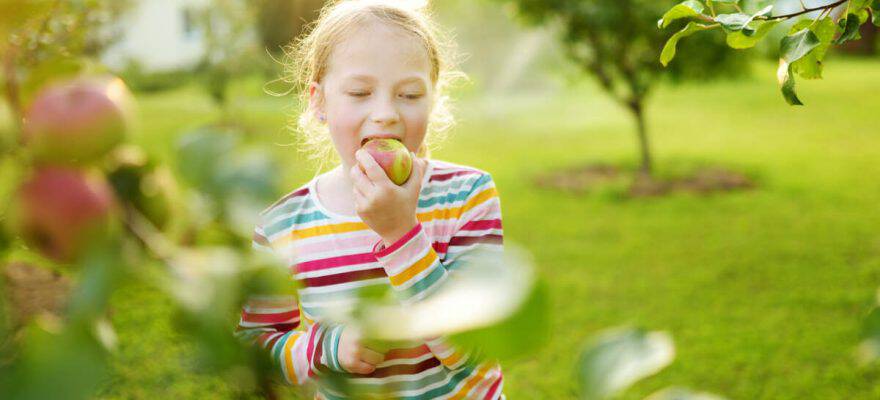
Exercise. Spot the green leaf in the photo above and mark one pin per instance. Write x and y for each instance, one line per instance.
(796, 46)
(739, 40)
(786, 80)
(669, 49)
(686, 9)
(850, 30)
(617, 359)
(810, 66)
(857, 5)
(875, 12)
(740, 22)
(676, 393)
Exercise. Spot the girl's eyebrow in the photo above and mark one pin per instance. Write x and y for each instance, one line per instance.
(370, 79)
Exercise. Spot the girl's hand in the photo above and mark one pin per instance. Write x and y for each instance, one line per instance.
(353, 356)
(388, 209)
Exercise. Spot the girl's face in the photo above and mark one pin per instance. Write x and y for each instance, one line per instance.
(377, 85)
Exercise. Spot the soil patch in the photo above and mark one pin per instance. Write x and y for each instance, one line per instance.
(589, 178)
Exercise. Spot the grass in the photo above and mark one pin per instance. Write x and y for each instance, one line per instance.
(763, 290)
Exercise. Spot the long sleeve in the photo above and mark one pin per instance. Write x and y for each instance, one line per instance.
(273, 322)
(414, 267)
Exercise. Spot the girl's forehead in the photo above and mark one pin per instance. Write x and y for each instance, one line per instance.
(380, 52)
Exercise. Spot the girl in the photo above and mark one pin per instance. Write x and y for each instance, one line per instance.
(373, 69)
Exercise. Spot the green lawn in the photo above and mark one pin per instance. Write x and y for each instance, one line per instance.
(763, 290)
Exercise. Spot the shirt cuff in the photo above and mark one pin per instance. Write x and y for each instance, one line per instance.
(380, 251)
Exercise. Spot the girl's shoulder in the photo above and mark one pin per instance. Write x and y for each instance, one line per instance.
(290, 204)
(444, 172)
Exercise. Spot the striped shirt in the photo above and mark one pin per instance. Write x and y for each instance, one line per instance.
(333, 256)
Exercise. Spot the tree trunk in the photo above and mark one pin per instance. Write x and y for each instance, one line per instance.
(636, 106)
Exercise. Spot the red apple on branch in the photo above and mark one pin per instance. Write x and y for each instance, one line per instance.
(392, 156)
(59, 211)
(77, 121)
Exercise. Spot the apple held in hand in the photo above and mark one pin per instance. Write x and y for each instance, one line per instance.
(392, 156)
(77, 121)
(60, 210)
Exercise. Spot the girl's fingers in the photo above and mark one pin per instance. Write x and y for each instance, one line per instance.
(417, 173)
(362, 368)
(371, 167)
(371, 357)
(360, 181)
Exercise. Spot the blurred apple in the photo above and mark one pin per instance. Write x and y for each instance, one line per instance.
(59, 211)
(77, 121)
(392, 156)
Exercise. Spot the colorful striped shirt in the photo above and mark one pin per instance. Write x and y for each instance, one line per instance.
(333, 256)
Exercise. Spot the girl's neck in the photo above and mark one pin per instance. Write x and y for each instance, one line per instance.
(335, 192)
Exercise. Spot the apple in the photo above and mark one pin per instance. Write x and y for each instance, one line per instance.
(392, 156)
(59, 210)
(77, 121)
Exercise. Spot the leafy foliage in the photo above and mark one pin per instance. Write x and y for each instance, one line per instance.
(802, 50)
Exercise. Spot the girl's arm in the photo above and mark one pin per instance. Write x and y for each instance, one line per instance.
(273, 322)
(415, 269)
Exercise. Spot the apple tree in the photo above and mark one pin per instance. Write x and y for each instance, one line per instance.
(618, 43)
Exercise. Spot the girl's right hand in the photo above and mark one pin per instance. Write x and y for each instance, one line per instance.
(353, 356)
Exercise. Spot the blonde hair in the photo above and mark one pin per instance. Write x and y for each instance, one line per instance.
(306, 61)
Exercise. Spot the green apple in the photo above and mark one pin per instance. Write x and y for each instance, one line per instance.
(392, 156)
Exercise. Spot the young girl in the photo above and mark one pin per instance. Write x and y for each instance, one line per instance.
(373, 69)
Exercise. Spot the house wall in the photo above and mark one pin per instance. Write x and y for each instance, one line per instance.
(157, 36)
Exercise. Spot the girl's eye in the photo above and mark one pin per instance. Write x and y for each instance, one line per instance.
(412, 96)
(359, 94)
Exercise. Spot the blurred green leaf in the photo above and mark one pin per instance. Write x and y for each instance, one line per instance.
(201, 155)
(56, 362)
(676, 393)
(102, 268)
(619, 358)
(517, 337)
(499, 282)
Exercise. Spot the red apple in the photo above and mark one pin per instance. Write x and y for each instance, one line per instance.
(392, 156)
(77, 121)
(60, 210)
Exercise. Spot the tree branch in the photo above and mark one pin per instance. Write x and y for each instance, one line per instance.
(804, 11)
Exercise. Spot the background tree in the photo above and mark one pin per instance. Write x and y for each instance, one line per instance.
(281, 21)
(617, 41)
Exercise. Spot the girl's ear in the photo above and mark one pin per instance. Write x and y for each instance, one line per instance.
(316, 100)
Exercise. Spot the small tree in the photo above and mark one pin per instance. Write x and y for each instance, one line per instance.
(617, 41)
(281, 21)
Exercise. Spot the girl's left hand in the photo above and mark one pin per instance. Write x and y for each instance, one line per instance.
(388, 209)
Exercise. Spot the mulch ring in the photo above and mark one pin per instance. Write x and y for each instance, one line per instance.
(585, 179)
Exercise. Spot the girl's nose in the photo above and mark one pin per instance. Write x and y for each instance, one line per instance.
(385, 114)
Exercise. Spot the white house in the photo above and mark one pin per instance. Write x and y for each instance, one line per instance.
(159, 35)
